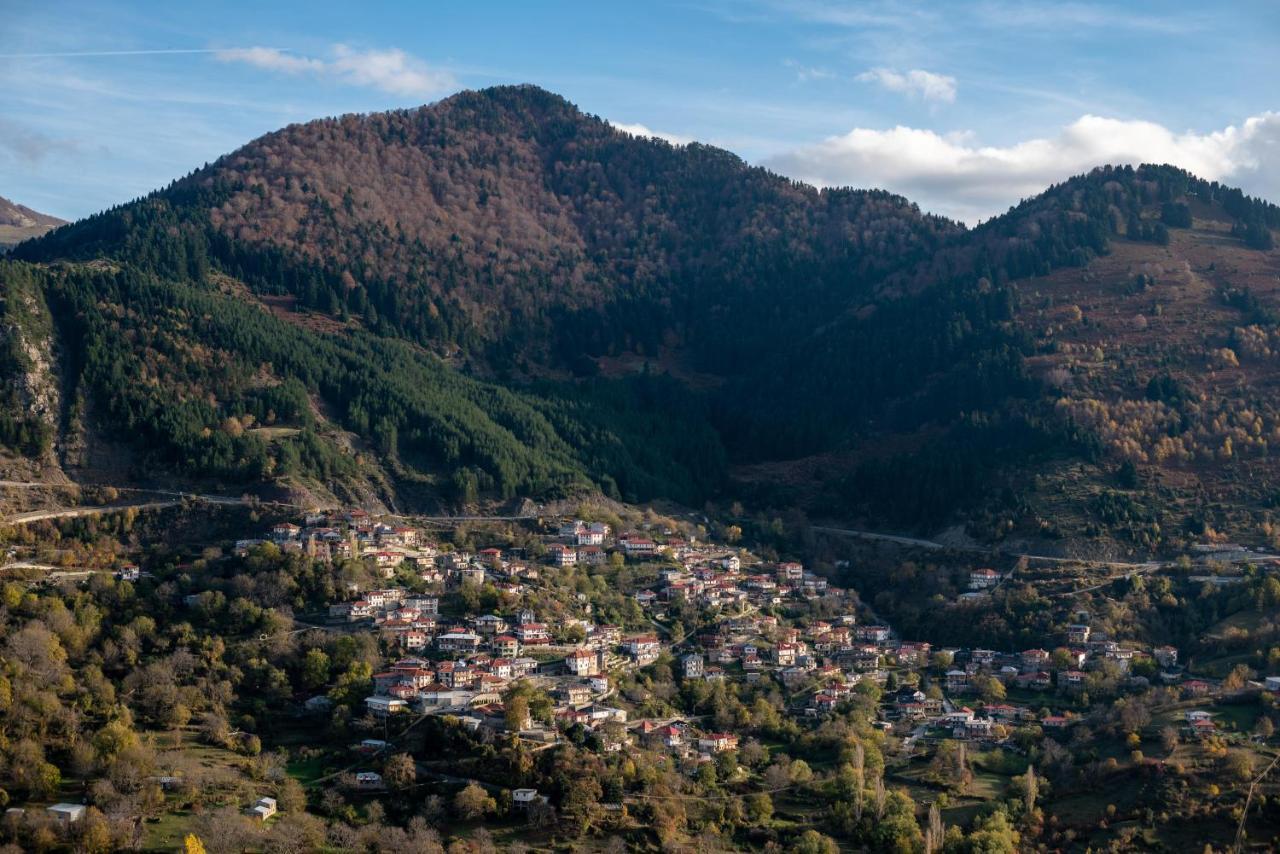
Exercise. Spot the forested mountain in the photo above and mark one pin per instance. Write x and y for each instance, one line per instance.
(498, 295)
(19, 222)
(511, 224)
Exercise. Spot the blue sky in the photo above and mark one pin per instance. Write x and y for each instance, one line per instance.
(964, 107)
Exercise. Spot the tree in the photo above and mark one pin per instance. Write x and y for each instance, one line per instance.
(1031, 787)
(400, 771)
(473, 802)
(760, 807)
(813, 842)
(516, 713)
(290, 796)
(192, 845)
(315, 668)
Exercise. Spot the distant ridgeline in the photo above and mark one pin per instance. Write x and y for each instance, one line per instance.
(456, 276)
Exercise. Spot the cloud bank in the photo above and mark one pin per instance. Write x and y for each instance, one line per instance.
(391, 70)
(954, 175)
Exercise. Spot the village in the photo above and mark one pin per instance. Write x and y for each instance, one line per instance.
(461, 665)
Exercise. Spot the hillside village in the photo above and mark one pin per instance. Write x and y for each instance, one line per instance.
(463, 664)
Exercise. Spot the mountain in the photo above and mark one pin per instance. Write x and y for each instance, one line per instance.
(19, 222)
(498, 295)
(511, 225)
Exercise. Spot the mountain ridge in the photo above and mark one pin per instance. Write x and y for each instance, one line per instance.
(547, 245)
(19, 222)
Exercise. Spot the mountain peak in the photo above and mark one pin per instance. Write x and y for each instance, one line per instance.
(19, 222)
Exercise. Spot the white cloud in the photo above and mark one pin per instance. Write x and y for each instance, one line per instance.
(641, 130)
(391, 70)
(271, 59)
(916, 82)
(956, 176)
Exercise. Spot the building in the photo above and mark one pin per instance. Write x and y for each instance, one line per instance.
(262, 809)
(983, 579)
(532, 634)
(585, 662)
(562, 555)
(718, 742)
(66, 814)
(692, 666)
(522, 799)
(368, 781)
(638, 546)
(381, 707)
(458, 642)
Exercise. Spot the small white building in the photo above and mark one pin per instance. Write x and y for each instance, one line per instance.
(262, 809)
(66, 814)
(522, 799)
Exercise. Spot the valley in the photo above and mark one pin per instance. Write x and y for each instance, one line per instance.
(481, 475)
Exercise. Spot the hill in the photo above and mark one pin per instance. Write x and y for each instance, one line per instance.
(498, 295)
(19, 222)
(510, 226)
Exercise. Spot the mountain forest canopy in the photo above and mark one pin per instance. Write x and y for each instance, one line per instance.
(498, 295)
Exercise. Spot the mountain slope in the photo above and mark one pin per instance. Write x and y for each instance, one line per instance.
(511, 224)
(402, 298)
(19, 223)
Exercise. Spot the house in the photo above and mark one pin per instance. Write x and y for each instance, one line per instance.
(591, 555)
(262, 809)
(1034, 659)
(491, 624)
(590, 536)
(1203, 728)
(368, 781)
(718, 742)
(458, 641)
(790, 571)
(643, 648)
(1272, 683)
(414, 639)
(562, 555)
(1055, 722)
(874, 634)
(381, 707)
(66, 814)
(633, 546)
(957, 680)
(1078, 633)
(585, 662)
(692, 666)
(532, 634)
(574, 695)
(785, 654)
(1072, 679)
(1166, 656)
(983, 579)
(1038, 680)
(523, 799)
(505, 646)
